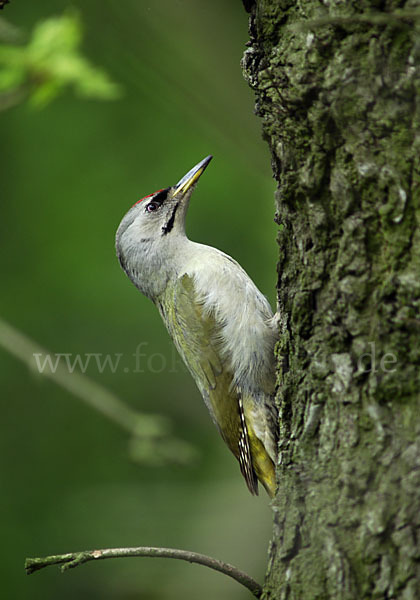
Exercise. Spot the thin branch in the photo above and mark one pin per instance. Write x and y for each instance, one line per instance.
(74, 559)
(23, 348)
(151, 428)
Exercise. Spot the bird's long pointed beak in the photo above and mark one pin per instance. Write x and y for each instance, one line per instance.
(191, 177)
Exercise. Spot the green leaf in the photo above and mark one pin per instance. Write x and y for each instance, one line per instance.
(51, 62)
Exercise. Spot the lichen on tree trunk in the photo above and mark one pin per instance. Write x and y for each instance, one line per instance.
(337, 87)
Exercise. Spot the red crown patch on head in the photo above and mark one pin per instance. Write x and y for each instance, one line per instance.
(148, 196)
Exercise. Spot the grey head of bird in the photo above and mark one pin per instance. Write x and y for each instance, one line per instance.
(151, 240)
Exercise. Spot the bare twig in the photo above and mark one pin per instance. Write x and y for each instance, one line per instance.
(23, 348)
(74, 559)
(153, 429)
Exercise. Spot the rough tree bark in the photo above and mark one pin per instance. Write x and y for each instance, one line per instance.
(337, 87)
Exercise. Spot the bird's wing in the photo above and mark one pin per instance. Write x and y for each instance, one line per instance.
(196, 335)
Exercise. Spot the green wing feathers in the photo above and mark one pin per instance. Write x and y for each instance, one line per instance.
(196, 335)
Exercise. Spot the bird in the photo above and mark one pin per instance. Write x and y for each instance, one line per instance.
(221, 324)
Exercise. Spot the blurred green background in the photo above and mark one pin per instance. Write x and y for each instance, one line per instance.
(69, 172)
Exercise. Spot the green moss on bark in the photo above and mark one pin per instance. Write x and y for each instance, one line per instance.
(339, 108)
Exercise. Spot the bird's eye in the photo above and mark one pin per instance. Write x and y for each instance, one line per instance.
(152, 206)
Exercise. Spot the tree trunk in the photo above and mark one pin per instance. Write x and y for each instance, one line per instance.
(335, 86)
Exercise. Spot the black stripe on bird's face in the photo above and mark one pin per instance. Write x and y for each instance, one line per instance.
(161, 196)
(170, 223)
